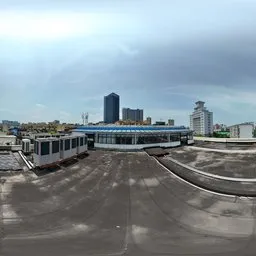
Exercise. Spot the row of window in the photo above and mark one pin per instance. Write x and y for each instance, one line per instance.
(58, 145)
(140, 139)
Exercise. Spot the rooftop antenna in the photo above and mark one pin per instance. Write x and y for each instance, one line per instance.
(83, 117)
(86, 118)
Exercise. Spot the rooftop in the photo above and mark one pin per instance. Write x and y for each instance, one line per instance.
(131, 129)
(8, 162)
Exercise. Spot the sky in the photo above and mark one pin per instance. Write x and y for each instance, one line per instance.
(59, 58)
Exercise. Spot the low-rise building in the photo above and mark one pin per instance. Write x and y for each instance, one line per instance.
(244, 130)
(171, 122)
(11, 123)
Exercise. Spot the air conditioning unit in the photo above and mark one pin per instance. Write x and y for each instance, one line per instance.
(26, 146)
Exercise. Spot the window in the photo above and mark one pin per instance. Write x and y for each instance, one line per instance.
(85, 141)
(36, 147)
(45, 148)
(67, 144)
(77, 141)
(55, 147)
(73, 143)
(61, 144)
(81, 141)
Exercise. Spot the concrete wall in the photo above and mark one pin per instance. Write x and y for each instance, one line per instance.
(138, 146)
(4, 140)
(226, 140)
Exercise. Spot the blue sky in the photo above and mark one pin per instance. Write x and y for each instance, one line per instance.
(59, 59)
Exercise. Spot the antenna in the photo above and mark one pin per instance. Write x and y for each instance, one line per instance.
(85, 117)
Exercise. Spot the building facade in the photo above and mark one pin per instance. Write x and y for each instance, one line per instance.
(244, 130)
(134, 137)
(11, 123)
(111, 108)
(149, 120)
(132, 114)
(171, 122)
(201, 120)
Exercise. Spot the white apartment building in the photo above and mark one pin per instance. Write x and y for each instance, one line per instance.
(201, 120)
(244, 130)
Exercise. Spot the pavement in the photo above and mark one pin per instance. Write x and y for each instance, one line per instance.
(114, 203)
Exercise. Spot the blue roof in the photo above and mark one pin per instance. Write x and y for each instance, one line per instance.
(129, 129)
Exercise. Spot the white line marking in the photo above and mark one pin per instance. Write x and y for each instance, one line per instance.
(212, 175)
(231, 151)
(193, 185)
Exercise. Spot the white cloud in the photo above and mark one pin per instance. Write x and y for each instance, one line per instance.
(39, 105)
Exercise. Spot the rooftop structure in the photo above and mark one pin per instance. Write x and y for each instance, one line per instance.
(136, 137)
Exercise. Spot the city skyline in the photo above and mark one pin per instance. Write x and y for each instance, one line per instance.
(59, 73)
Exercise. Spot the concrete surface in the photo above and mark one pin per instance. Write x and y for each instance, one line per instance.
(8, 162)
(230, 165)
(120, 204)
(226, 146)
(226, 140)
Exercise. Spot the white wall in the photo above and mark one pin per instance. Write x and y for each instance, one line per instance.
(246, 131)
(190, 142)
(136, 146)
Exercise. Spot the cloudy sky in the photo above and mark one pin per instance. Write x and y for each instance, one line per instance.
(59, 59)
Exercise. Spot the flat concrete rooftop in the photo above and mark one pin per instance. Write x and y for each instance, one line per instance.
(114, 203)
(9, 161)
(231, 165)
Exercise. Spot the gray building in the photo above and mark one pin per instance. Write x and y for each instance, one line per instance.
(133, 114)
(171, 122)
(111, 108)
(149, 120)
(10, 123)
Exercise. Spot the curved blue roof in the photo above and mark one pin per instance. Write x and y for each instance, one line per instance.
(124, 128)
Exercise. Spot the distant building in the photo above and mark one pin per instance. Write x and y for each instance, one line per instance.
(171, 122)
(132, 114)
(111, 108)
(201, 120)
(149, 120)
(244, 130)
(56, 121)
(11, 123)
(159, 123)
(220, 127)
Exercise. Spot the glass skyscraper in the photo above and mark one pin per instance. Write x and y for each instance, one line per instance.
(111, 108)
